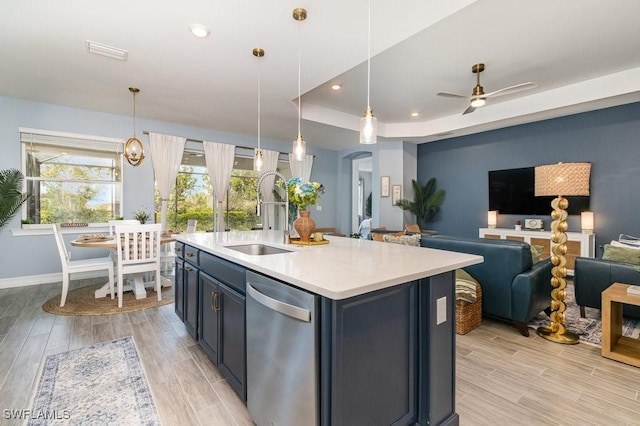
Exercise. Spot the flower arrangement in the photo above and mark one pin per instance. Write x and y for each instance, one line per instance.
(302, 195)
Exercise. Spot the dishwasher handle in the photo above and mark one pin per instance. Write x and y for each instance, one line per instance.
(278, 306)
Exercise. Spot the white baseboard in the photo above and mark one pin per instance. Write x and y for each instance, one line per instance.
(45, 279)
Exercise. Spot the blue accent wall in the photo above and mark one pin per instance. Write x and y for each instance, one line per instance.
(608, 138)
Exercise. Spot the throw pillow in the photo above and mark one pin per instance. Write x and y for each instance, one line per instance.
(414, 229)
(465, 286)
(629, 246)
(378, 236)
(621, 254)
(407, 240)
(536, 253)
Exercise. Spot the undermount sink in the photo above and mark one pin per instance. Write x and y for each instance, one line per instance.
(258, 249)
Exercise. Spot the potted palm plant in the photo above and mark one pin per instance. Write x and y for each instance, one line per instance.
(10, 196)
(426, 202)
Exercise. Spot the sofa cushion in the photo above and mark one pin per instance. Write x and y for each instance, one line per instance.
(536, 252)
(407, 240)
(629, 246)
(503, 261)
(621, 254)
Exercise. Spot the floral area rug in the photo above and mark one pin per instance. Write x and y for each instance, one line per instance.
(97, 385)
(589, 329)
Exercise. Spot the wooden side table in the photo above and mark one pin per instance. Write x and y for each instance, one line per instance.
(614, 344)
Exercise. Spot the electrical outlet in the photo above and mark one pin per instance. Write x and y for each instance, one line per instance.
(441, 310)
(318, 208)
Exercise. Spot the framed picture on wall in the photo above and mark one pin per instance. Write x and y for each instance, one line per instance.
(384, 186)
(396, 194)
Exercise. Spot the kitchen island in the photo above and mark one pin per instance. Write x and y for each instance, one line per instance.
(383, 342)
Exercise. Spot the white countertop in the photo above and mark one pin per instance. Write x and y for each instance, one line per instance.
(343, 268)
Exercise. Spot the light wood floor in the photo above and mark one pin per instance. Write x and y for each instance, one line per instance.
(502, 377)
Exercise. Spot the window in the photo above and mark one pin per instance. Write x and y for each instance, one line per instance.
(192, 197)
(70, 178)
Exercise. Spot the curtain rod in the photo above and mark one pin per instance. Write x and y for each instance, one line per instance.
(146, 132)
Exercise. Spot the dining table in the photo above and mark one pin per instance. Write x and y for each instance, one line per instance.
(137, 284)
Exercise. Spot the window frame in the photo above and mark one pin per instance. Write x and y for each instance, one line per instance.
(76, 141)
(244, 153)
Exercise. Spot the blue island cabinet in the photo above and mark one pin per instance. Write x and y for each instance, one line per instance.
(386, 357)
(385, 360)
(221, 325)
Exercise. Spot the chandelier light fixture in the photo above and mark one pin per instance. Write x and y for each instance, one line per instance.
(133, 150)
(299, 145)
(258, 159)
(368, 123)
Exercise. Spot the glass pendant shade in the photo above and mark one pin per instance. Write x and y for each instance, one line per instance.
(258, 161)
(368, 128)
(299, 148)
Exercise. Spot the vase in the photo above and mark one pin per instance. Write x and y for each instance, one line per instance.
(304, 225)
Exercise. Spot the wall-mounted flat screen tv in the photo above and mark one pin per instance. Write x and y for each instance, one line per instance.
(512, 192)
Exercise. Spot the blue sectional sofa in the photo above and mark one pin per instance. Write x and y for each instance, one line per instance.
(513, 289)
(593, 276)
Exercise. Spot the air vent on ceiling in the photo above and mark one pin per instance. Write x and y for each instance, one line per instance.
(105, 50)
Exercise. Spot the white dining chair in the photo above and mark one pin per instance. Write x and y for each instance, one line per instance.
(114, 222)
(138, 249)
(191, 226)
(84, 265)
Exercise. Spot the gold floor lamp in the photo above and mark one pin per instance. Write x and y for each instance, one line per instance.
(559, 180)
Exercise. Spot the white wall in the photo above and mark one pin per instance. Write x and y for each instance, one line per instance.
(36, 256)
(396, 159)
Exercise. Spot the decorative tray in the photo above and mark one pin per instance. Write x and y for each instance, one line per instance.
(310, 243)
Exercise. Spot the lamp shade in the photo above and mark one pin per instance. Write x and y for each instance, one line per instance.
(368, 128)
(562, 179)
(587, 222)
(492, 218)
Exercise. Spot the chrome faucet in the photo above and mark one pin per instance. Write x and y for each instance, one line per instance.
(287, 233)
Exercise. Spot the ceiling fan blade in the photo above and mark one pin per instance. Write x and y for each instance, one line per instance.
(451, 95)
(512, 89)
(469, 110)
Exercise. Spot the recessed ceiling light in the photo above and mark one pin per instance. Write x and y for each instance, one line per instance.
(199, 30)
(336, 86)
(415, 114)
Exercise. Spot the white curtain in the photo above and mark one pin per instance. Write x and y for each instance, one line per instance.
(219, 158)
(166, 156)
(270, 164)
(301, 168)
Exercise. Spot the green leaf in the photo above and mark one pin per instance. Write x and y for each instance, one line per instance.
(426, 203)
(10, 196)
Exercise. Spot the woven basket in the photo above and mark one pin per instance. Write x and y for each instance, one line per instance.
(469, 315)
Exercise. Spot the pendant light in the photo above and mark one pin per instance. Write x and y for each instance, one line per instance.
(368, 123)
(258, 159)
(133, 150)
(299, 145)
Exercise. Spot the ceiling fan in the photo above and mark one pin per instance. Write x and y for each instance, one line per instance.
(478, 97)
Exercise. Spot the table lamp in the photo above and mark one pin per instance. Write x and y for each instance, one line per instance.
(559, 180)
(587, 222)
(492, 218)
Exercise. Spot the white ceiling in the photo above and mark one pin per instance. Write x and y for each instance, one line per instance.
(583, 54)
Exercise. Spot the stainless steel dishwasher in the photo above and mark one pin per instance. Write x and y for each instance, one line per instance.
(282, 358)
